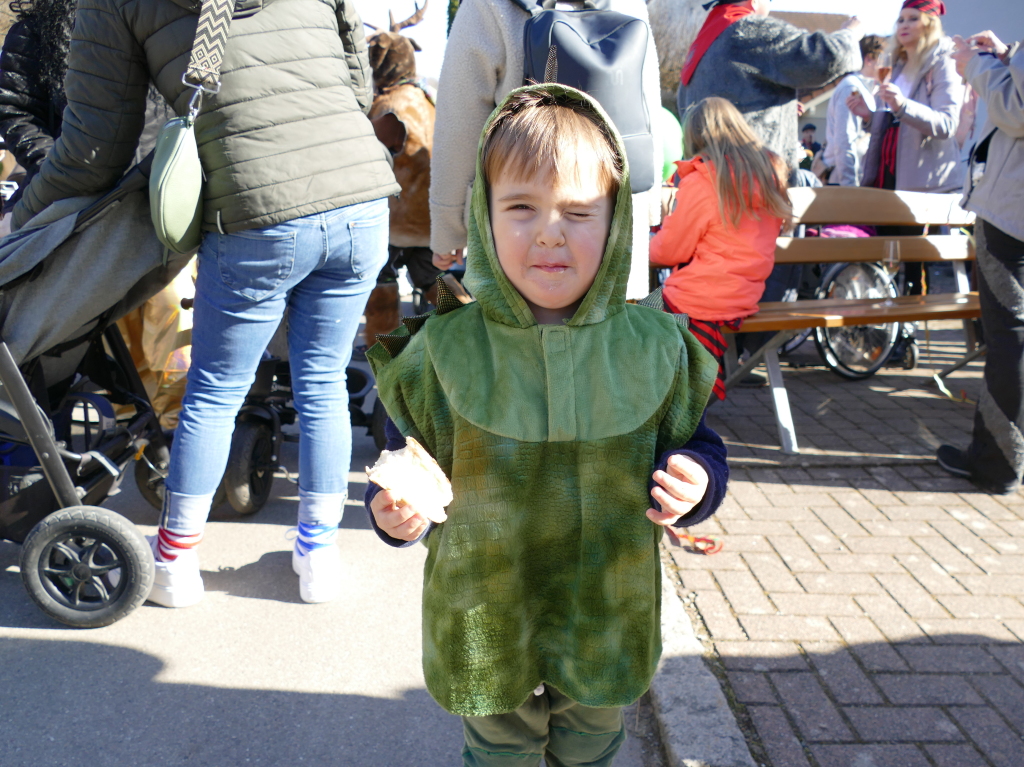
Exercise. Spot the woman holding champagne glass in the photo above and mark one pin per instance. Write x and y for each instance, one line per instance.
(913, 130)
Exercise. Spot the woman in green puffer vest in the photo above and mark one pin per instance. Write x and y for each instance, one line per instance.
(295, 216)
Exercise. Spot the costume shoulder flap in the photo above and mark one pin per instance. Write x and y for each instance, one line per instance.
(404, 381)
(553, 383)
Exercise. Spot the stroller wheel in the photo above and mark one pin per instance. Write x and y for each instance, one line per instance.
(151, 473)
(250, 472)
(377, 420)
(86, 567)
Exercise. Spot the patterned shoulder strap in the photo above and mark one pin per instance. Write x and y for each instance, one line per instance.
(208, 48)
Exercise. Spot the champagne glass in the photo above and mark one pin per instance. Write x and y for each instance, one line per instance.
(892, 266)
(883, 71)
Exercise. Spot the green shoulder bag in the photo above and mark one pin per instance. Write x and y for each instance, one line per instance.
(176, 180)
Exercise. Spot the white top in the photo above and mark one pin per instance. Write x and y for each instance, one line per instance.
(846, 136)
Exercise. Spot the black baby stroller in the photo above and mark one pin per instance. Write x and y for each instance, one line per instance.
(64, 281)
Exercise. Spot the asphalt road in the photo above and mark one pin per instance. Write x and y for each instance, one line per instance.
(251, 675)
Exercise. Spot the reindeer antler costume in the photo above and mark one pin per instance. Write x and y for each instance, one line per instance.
(403, 117)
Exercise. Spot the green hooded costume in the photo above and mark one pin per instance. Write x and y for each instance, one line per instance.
(547, 569)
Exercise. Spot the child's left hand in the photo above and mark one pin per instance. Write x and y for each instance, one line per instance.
(679, 489)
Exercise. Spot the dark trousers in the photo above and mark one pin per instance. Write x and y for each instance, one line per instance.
(550, 726)
(996, 454)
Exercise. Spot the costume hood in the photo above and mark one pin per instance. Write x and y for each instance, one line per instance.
(603, 373)
(487, 282)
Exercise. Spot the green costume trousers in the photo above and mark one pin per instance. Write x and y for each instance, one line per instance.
(548, 725)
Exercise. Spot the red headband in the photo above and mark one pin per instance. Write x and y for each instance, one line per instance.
(934, 7)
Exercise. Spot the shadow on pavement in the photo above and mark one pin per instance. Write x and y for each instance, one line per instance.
(77, 702)
(950, 699)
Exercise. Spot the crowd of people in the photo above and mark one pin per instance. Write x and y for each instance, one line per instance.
(569, 419)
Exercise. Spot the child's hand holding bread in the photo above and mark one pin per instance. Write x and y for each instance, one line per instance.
(414, 491)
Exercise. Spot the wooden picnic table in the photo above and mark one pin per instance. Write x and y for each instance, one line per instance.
(866, 207)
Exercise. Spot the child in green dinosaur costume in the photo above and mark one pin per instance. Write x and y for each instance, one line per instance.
(554, 407)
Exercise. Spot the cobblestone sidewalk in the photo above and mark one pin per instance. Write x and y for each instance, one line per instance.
(866, 609)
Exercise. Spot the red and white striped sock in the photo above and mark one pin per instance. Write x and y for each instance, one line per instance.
(169, 545)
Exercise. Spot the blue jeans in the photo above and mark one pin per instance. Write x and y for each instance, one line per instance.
(320, 268)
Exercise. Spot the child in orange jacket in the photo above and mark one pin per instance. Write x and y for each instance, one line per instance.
(720, 239)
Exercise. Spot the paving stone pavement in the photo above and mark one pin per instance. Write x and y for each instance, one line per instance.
(866, 608)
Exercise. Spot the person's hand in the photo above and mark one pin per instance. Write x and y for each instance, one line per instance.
(800, 109)
(399, 520)
(855, 103)
(444, 261)
(892, 95)
(855, 25)
(962, 53)
(678, 490)
(988, 42)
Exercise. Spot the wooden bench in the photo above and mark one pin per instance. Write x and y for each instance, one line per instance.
(866, 207)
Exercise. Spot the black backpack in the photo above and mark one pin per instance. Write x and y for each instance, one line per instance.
(600, 52)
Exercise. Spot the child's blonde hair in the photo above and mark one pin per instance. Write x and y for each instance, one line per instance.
(539, 132)
(743, 167)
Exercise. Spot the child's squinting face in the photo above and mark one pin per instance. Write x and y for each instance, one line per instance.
(550, 235)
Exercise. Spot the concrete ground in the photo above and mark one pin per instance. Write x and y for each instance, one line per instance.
(866, 608)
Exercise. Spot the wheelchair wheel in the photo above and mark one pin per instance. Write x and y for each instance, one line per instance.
(250, 473)
(910, 357)
(856, 352)
(151, 471)
(86, 567)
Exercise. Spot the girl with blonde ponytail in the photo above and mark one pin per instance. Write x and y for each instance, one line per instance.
(731, 205)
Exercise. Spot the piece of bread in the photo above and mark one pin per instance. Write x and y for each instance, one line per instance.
(412, 475)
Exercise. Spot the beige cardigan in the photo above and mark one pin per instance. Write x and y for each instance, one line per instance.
(483, 62)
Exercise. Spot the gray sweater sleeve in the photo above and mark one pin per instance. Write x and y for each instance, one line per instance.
(1002, 89)
(797, 59)
(106, 88)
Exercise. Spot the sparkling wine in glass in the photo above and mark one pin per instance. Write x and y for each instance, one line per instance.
(892, 266)
(883, 71)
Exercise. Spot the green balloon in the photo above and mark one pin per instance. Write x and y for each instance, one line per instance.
(671, 141)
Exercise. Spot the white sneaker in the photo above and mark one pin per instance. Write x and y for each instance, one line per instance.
(177, 583)
(319, 573)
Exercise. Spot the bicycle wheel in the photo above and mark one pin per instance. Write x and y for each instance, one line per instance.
(856, 352)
